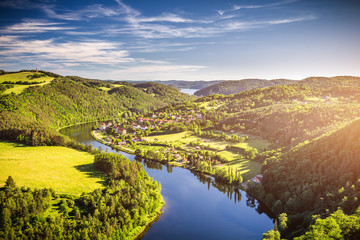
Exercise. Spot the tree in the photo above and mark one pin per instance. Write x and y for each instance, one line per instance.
(282, 221)
(10, 182)
(271, 235)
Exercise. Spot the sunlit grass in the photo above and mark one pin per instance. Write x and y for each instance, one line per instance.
(63, 169)
(22, 76)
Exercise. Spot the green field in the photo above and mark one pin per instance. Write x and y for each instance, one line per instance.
(248, 168)
(259, 144)
(63, 169)
(22, 76)
(168, 137)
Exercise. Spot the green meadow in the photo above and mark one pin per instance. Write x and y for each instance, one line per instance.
(23, 76)
(63, 169)
(248, 168)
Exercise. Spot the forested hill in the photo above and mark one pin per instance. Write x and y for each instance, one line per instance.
(167, 94)
(182, 83)
(317, 176)
(33, 115)
(289, 114)
(236, 86)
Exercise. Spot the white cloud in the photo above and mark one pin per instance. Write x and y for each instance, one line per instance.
(169, 25)
(92, 11)
(34, 26)
(96, 52)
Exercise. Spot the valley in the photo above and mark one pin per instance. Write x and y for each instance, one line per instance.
(265, 141)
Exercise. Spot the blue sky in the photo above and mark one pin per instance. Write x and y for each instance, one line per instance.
(182, 39)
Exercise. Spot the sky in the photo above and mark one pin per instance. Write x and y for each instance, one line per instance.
(182, 39)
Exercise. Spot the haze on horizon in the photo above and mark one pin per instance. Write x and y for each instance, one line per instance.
(182, 39)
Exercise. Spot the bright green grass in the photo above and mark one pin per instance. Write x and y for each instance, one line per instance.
(104, 88)
(259, 144)
(247, 168)
(116, 85)
(168, 137)
(22, 76)
(63, 169)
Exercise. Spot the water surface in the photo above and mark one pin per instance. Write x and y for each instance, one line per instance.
(197, 207)
(189, 91)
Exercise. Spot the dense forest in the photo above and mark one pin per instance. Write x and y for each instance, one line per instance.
(33, 116)
(315, 177)
(129, 202)
(236, 86)
(182, 83)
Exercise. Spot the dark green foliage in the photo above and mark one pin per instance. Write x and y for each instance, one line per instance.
(35, 75)
(183, 84)
(118, 211)
(22, 82)
(315, 176)
(4, 86)
(10, 182)
(135, 99)
(236, 86)
(30, 117)
(163, 92)
(94, 83)
(337, 226)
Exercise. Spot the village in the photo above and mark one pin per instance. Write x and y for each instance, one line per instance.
(133, 131)
(173, 137)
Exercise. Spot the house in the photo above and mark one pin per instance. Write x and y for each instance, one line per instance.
(136, 126)
(121, 131)
(199, 116)
(143, 127)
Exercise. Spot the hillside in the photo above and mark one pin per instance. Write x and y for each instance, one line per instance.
(315, 176)
(288, 115)
(32, 116)
(236, 86)
(18, 82)
(135, 99)
(182, 83)
(167, 94)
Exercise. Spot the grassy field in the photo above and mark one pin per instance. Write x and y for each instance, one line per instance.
(248, 168)
(259, 144)
(168, 137)
(63, 169)
(22, 76)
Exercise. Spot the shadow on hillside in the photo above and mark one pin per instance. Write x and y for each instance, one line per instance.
(91, 172)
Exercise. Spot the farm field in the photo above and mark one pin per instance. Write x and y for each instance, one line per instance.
(248, 168)
(63, 169)
(23, 76)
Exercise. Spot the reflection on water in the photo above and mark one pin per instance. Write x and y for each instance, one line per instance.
(197, 206)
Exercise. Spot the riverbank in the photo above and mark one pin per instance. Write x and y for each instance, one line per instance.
(193, 202)
(97, 138)
(171, 163)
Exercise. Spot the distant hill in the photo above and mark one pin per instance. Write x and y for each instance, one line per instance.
(33, 115)
(236, 86)
(166, 93)
(182, 83)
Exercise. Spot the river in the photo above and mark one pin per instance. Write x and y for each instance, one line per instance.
(196, 206)
(189, 91)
